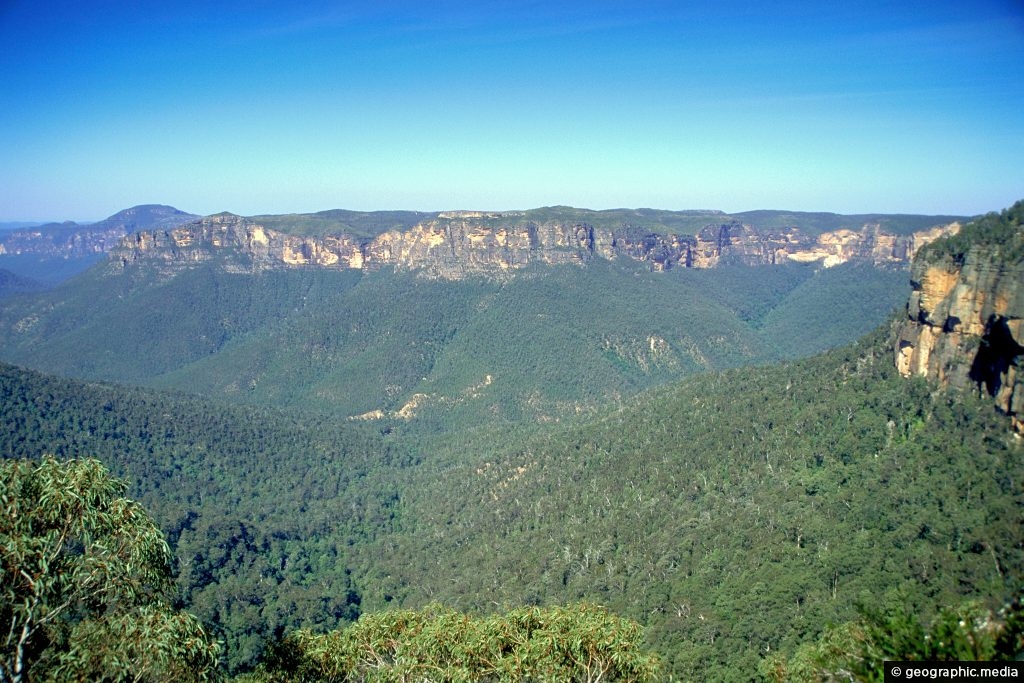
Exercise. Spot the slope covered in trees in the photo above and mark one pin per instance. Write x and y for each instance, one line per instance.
(549, 343)
(732, 514)
(261, 508)
(85, 596)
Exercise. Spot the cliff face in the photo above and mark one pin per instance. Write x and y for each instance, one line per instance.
(965, 318)
(456, 244)
(239, 244)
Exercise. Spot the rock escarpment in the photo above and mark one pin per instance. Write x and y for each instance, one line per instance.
(238, 244)
(457, 244)
(965, 318)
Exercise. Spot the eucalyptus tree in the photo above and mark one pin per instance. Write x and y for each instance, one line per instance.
(85, 582)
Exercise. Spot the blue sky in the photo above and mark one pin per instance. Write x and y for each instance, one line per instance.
(273, 107)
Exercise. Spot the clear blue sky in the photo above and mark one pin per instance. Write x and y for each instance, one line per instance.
(273, 107)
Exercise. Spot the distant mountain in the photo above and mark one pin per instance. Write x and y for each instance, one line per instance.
(15, 225)
(72, 240)
(390, 316)
(55, 251)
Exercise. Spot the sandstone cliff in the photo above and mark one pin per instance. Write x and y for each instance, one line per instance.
(965, 318)
(456, 244)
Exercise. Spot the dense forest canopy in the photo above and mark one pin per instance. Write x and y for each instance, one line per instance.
(802, 489)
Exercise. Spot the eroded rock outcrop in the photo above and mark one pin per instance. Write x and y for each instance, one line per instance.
(965, 318)
(239, 244)
(456, 244)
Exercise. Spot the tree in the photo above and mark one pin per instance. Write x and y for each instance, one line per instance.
(86, 582)
(859, 650)
(579, 642)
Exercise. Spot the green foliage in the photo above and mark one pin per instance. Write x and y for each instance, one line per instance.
(1001, 230)
(126, 330)
(965, 632)
(205, 471)
(733, 514)
(579, 642)
(46, 270)
(12, 283)
(337, 221)
(845, 299)
(152, 642)
(85, 580)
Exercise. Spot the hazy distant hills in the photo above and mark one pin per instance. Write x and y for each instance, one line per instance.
(55, 251)
(15, 225)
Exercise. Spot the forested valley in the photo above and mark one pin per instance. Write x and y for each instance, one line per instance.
(721, 506)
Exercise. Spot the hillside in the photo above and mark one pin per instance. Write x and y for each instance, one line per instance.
(553, 342)
(12, 283)
(731, 513)
(207, 473)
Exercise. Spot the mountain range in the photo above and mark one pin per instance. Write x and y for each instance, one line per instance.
(214, 304)
(53, 252)
(438, 321)
(453, 243)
